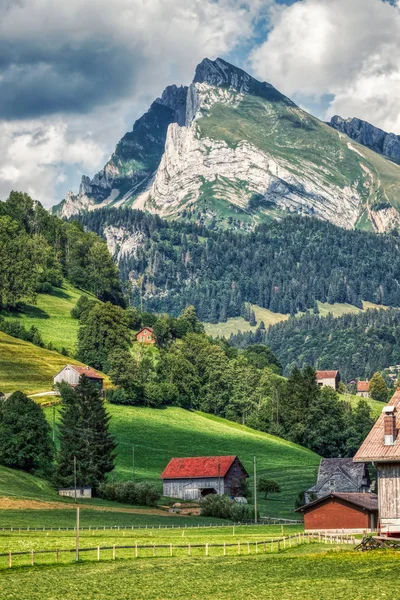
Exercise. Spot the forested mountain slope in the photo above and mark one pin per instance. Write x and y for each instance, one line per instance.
(233, 151)
(356, 344)
(283, 266)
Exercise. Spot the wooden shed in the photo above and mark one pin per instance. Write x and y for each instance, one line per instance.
(341, 512)
(194, 478)
(382, 447)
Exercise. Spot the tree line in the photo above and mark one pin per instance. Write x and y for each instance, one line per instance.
(193, 371)
(358, 345)
(38, 250)
(285, 266)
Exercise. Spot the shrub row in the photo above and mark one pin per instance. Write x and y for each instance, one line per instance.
(129, 492)
(223, 507)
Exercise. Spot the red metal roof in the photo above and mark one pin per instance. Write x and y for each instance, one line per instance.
(362, 499)
(197, 467)
(373, 447)
(362, 386)
(88, 371)
(326, 374)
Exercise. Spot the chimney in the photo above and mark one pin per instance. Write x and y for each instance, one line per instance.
(389, 425)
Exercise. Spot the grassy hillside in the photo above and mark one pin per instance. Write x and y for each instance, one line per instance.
(376, 407)
(160, 434)
(236, 324)
(26, 367)
(24, 485)
(51, 315)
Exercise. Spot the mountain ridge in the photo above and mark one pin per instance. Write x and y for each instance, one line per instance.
(232, 151)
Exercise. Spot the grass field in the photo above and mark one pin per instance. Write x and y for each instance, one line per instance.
(52, 316)
(235, 324)
(376, 406)
(26, 367)
(303, 573)
(24, 485)
(160, 434)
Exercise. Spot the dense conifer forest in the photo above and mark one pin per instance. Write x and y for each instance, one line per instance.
(284, 266)
(356, 344)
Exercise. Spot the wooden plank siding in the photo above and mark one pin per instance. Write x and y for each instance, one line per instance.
(389, 496)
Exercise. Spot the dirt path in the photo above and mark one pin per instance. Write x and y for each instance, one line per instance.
(19, 504)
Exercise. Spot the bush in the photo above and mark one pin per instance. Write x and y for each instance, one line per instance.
(130, 492)
(118, 396)
(17, 330)
(222, 507)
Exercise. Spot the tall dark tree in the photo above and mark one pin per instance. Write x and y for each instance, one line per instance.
(24, 435)
(84, 434)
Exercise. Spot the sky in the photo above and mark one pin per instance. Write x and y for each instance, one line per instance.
(75, 75)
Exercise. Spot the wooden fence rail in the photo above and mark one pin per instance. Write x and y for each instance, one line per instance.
(275, 544)
(130, 527)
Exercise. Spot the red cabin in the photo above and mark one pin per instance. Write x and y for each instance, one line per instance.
(146, 336)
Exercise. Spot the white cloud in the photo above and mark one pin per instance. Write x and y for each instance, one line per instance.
(74, 75)
(349, 49)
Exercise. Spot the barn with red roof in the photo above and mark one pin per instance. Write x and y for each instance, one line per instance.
(196, 477)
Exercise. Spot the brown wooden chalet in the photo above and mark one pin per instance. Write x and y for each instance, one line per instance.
(194, 478)
(382, 447)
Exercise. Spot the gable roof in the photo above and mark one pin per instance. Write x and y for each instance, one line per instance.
(144, 329)
(362, 386)
(326, 374)
(199, 466)
(354, 472)
(366, 501)
(373, 447)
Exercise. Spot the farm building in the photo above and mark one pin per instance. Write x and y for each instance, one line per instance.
(84, 492)
(328, 378)
(382, 447)
(71, 374)
(341, 512)
(339, 475)
(194, 478)
(146, 336)
(363, 389)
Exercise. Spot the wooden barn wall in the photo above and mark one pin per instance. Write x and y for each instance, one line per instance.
(68, 375)
(183, 488)
(389, 490)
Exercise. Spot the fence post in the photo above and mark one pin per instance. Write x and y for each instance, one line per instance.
(189, 550)
(32, 558)
(113, 552)
(9, 560)
(136, 550)
(206, 549)
(238, 547)
(57, 555)
(170, 549)
(248, 547)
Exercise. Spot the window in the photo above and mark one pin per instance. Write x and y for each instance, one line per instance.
(148, 337)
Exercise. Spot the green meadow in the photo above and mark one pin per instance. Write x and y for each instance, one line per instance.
(157, 435)
(304, 573)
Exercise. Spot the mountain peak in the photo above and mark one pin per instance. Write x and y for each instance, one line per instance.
(222, 74)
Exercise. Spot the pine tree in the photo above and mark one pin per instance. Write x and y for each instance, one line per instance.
(84, 434)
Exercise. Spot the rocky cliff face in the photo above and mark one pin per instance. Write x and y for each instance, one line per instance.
(372, 137)
(234, 151)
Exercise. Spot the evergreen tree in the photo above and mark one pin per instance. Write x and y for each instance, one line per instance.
(378, 389)
(24, 435)
(84, 434)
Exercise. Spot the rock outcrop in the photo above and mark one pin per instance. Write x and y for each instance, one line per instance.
(387, 144)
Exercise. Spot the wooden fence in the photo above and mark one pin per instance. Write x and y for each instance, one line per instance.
(240, 546)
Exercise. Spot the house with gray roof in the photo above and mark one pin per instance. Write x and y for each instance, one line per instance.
(339, 475)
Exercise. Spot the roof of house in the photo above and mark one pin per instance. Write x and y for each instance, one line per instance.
(326, 374)
(88, 371)
(199, 466)
(367, 501)
(355, 472)
(373, 447)
(145, 329)
(362, 386)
